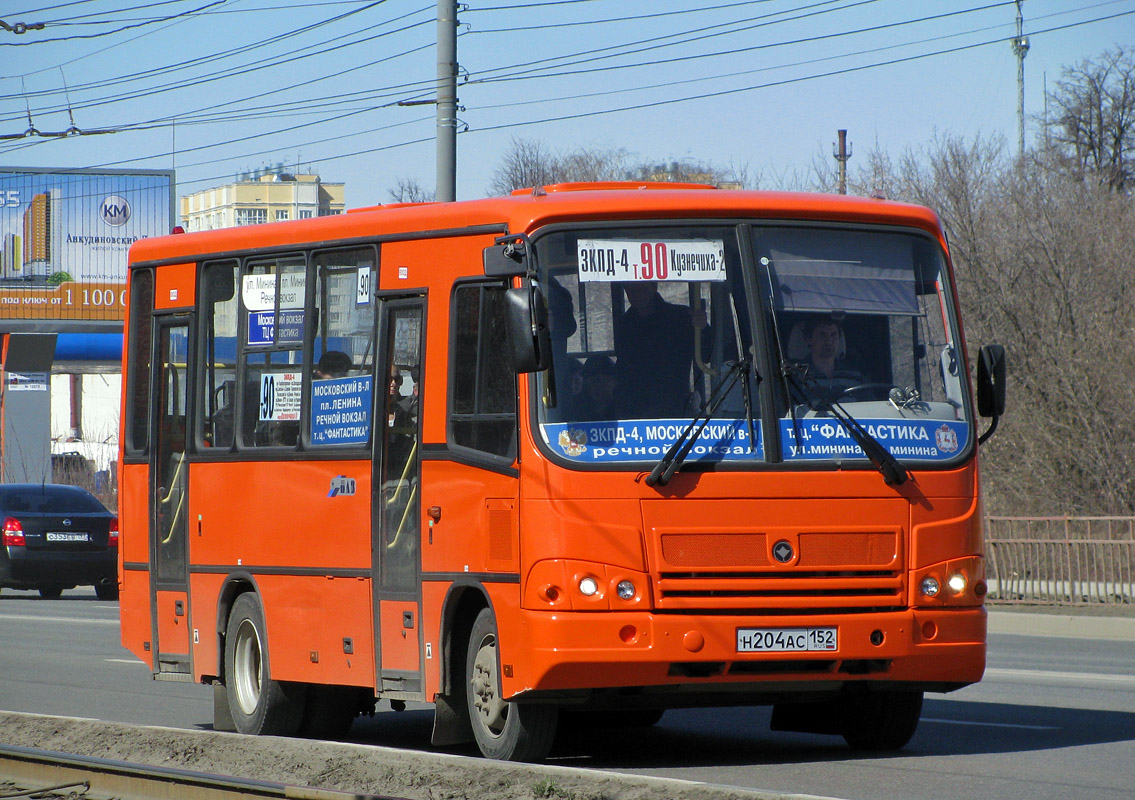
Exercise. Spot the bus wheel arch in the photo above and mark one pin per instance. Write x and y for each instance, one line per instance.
(504, 730)
(258, 704)
(463, 603)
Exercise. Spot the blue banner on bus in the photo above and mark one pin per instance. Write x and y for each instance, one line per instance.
(262, 328)
(816, 438)
(341, 410)
(611, 441)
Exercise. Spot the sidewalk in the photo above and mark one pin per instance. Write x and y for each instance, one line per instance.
(1063, 622)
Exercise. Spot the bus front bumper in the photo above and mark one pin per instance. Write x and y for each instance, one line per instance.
(571, 652)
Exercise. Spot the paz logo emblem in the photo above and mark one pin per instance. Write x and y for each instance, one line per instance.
(782, 551)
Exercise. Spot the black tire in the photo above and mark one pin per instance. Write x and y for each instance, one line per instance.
(881, 720)
(329, 711)
(259, 705)
(106, 591)
(50, 591)
(504, 730)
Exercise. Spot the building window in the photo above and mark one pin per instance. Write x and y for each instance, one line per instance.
(251, 216)
(305, 213)
(282, 215)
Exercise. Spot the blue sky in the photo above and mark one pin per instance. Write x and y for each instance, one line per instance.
(212, 88)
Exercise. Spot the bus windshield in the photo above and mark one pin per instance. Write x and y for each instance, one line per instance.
(650, 325)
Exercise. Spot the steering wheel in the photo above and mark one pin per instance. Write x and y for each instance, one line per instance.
(884, 390)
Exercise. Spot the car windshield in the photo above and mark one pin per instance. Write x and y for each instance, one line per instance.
(49, 500)
(646, 320)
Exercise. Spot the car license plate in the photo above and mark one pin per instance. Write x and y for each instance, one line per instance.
(67, 536)
(786, 640)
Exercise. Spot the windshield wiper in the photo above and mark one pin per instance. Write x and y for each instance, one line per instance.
(678, 451)
(894, 473)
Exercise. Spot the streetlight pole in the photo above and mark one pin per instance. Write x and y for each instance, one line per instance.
(446, 100)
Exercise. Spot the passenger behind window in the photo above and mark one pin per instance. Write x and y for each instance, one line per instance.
(654, 352)
(332, 364)
(597, 395)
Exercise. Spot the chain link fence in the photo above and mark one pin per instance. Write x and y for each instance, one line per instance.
(1061, 560)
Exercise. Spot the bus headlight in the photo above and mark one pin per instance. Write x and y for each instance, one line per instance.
(957, 583)
(626, 590)
(588, 586)
(930, 586)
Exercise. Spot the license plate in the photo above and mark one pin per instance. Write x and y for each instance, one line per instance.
(67, 536)
(786, 640)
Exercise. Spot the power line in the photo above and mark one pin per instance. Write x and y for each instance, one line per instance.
(35, 42)
(787, 81)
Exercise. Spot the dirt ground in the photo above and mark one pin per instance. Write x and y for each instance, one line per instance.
(361, 769)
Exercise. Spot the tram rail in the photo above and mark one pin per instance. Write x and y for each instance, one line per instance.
(38, 773)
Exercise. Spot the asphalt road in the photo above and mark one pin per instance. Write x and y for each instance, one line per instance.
(1054, 717)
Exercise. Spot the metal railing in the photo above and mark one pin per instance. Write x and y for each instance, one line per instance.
(1060, 560)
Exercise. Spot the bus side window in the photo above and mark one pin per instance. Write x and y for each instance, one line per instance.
(217, 401)
(483, 395)
(272, 296)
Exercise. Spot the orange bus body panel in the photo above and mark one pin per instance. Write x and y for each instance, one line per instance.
(175, 286)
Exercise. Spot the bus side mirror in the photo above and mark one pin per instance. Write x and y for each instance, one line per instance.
(526, 324)
(506, 258)
(991, 381)
(990, 386)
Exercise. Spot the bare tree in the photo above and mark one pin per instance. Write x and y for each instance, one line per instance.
(1093, 126)
(530, 163)
(527, 162)
(1043, 263)
(408, 190)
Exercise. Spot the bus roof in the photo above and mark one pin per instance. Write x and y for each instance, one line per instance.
(527, 210)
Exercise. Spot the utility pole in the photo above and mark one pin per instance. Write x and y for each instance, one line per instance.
(1020, 49)
(446, 100)
(842, 152)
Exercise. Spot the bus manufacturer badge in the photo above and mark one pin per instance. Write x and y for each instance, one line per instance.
(342, 486)
(782, 551)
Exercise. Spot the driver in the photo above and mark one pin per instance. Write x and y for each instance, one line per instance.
(825, 369)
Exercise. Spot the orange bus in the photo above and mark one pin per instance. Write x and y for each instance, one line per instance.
(590, 449)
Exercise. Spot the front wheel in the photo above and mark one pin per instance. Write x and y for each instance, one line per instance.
(881, 720)
(504, 730)
(259, 704)
(50, 591)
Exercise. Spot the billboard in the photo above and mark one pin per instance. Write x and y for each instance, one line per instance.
(64, 237)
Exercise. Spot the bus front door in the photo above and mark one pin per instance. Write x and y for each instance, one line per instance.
(169, 596)
(396, 526)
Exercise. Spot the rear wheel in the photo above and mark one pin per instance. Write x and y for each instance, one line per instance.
(106, 591)
(259, 704)
(881, 720)
(50, 591)
(504, 730)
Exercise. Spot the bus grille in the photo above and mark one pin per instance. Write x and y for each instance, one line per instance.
(829, 572)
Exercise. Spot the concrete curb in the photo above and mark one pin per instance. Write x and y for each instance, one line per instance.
(1064, 625)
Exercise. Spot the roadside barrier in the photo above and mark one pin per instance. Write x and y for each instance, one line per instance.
(1060, 560)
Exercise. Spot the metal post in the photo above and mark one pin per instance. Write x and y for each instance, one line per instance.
(446, 100)
(1020, 49)
(841, 155)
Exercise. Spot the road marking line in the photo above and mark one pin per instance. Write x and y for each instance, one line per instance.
(991, 724)
(124, 661)
(1052, 675)
(78, 620)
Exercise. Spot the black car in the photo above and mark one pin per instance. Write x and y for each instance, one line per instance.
(56, 537)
